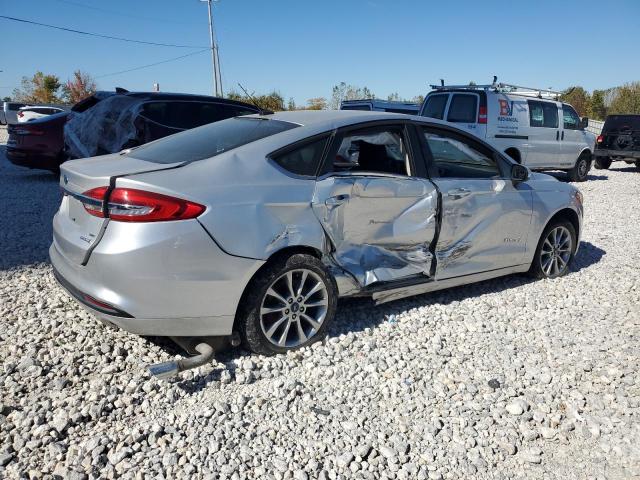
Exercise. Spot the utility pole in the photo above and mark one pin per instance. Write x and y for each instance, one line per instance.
(215, 59)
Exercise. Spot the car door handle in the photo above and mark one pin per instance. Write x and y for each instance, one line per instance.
(337, 200)
(562, 136)
(557, 135)
(457, 193)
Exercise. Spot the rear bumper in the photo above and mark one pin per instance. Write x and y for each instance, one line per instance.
(616, 153)
(26, 158)
(174, 284)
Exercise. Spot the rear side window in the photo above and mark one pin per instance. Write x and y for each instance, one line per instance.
(302, 160)
(463, 108)
(434, 106)
(543, 114)
(209, 140)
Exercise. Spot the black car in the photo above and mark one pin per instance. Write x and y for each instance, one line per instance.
(125, 119)
(619, 140)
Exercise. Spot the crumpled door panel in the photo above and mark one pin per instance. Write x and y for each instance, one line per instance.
(381, 227)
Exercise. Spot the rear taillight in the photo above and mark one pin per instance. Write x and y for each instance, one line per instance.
(20, 114)
(600, 139)
(482, 115)
(93, 201)
(131, 205)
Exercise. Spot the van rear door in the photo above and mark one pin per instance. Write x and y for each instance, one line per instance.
(464, 111)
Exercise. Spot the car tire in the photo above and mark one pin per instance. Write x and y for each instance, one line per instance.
(602, 163)
(638, 165)
(580, 171)
(551, 248)
(288, 305)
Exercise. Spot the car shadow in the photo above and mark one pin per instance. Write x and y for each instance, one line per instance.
(563, 177)
(358, 314)
(630, 168)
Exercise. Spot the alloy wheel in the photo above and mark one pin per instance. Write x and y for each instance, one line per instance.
(294, 308)
(556, 251)
(583, 168)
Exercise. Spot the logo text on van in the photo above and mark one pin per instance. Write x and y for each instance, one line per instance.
(506, 111)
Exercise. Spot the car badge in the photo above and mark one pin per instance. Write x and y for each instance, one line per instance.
(66, 179)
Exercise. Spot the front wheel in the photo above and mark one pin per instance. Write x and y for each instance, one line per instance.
(289, 305)
(581, 169)
(555, 250)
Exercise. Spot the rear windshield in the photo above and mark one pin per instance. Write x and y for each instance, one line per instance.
(209, 140)
(618, 123)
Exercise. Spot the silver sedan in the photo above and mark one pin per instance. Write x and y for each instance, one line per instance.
(255, 226)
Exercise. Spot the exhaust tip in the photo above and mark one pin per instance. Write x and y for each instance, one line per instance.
(164, 370)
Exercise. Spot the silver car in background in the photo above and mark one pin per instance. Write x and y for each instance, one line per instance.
(255, 226)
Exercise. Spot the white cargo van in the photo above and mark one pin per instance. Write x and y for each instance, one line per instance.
(527, 124)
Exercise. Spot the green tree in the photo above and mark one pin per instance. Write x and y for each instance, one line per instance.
(40, 88)
(292, 104)
(6, 99)
(597, 107)
(272, 101)
(626, 99)
(80, 87)
(419, 99)
(579, 98)
(342, 92)
(394, 97)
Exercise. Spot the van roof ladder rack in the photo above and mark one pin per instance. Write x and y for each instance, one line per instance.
(503, 88)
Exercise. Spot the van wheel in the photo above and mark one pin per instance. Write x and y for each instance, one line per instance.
(288, 305)
(602, 163)
(555, 251)
(581, 169)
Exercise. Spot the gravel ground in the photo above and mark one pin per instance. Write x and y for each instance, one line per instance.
(504, 379)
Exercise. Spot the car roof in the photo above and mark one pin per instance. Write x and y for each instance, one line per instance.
(330, 119)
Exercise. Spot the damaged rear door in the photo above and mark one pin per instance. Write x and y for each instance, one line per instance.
(376, 209)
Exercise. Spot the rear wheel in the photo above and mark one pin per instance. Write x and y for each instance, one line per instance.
(289, 305)
(580, 171)
(555, 250)
(602, 163)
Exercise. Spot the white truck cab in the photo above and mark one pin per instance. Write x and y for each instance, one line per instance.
(527, 124)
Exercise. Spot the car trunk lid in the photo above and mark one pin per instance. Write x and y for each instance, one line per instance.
(76, 232)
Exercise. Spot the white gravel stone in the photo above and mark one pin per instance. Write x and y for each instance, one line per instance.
(507, 379)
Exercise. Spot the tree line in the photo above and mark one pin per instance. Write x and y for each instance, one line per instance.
(48, 88)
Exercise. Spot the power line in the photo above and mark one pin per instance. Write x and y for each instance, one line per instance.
(152, 64)
(110, 37)
(113, 12)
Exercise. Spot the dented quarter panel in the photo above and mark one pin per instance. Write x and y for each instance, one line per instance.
(485, 230)
(381, 227)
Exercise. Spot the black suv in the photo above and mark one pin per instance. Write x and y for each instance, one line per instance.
(619, 140)
(115, 121)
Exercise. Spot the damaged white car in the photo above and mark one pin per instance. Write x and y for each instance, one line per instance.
(254, 226)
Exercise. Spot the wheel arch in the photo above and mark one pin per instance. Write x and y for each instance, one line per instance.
(568, 214)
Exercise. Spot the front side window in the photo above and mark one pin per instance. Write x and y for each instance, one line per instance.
(434, 106)
(570, 118)
(377, 151)
(156, 112)
(302, 160)
(456, 157)
(543, 114)
(209, 140)
(463, 108)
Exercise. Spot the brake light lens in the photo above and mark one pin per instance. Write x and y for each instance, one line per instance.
(132, 205)
(600, 139)
(482, 115)
(20, 114)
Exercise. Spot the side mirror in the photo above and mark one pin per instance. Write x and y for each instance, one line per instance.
(584, 123)
(519, 173)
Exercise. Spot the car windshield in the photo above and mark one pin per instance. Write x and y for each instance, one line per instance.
(209, 140)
